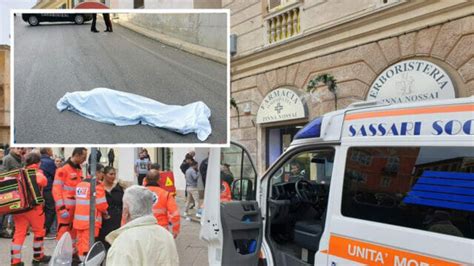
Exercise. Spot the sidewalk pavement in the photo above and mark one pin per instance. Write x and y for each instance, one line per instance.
(191, 250)
(180, 44)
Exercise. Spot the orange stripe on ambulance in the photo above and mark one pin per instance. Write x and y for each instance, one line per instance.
(372, 254)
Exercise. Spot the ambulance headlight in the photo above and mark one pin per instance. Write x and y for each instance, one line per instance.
(311, 130)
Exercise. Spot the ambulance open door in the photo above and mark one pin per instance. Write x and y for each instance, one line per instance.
(233, 229)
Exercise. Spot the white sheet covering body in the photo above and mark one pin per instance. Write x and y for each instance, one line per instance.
(123, 109)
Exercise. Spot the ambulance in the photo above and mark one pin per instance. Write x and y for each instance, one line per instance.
(373, 184)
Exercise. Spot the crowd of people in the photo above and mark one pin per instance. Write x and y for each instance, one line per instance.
(66, 188)
(195, 175)
(146, 215)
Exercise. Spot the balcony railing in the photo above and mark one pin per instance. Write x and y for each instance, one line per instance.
(283, 25)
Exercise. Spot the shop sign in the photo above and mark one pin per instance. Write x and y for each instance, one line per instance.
(412, 81)
(280, 105)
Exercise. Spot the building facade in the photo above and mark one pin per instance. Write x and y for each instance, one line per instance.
(389, 50)
(4, 95)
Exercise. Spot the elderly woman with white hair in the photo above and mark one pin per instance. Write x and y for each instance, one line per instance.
(140, 240)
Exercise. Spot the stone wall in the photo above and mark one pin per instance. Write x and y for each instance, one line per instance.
(4, 94)
(448, 45)
(248, 17)
(206, 29)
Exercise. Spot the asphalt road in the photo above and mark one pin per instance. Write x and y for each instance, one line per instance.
(52, 59)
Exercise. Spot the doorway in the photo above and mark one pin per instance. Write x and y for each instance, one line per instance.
(278, 140)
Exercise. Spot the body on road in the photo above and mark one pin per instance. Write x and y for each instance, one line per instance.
(53, 59)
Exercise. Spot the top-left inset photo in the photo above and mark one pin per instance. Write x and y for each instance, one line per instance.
(120, 77)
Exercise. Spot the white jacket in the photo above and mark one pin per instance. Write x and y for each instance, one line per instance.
(142, 242)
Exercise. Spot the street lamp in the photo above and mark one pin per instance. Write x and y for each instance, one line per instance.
(93, 167)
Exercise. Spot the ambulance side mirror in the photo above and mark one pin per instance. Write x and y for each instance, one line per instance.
(96, 255)
(242, 189)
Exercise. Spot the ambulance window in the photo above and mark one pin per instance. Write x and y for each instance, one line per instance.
(426, 188)
(238, 172)
(310, 165)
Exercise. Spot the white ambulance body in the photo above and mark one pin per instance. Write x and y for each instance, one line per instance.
(373, 184)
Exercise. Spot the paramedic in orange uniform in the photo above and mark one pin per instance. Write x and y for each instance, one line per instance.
(33, 218)
(81, 214)
(64, 191)
(165, 209)
(225, 192)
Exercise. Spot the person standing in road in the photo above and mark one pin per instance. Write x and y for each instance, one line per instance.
(140, 241)
(165, 208)
(82, 211)
(97, 157)
(94, 20)
(58, 161)
(111, 157)
(49, 169)
(114, 194)
(192, 176)
(145, 152)
(108, 23)
(33, 218)
(142, 165)
(12, 161)
(64, 191)
(188, 158)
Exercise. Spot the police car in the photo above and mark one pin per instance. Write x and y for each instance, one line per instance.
(380, 185)
(35, 19)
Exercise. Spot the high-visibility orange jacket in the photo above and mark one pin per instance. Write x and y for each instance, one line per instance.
(165, 208)
(64, 185)
(33, 219)
(82, 211)
(225, 192)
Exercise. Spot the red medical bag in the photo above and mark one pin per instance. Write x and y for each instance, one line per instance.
(19, 191)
